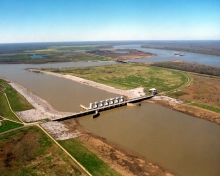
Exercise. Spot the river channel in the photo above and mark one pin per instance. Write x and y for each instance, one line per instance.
(178, 142)
(167, 55)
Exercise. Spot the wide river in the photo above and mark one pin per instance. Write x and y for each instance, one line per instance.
(167, 55)
(178, 142)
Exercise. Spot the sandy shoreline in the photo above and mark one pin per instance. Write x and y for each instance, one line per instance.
(42, 109)
(133, 93)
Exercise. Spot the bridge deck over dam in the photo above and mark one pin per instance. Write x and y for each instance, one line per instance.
(103, 108)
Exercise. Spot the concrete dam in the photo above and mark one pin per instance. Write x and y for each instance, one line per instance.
(96, 107)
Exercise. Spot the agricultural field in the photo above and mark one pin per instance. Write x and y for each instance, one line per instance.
(29, 151)
(129, 76)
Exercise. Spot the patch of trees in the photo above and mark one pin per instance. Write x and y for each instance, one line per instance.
(190, 67)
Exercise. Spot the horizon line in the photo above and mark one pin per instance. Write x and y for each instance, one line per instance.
(111, 41)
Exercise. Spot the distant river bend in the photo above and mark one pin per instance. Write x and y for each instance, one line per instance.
(167, 55)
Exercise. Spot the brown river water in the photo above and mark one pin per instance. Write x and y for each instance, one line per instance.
(183, 144)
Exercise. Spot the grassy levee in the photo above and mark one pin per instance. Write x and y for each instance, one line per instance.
(5, 110)
(29, 151)
(17, 102)
(211, 108)
(89, 160)
(129, 76)
(8, 125)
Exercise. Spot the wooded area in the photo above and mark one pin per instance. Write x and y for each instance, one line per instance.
(190, 67)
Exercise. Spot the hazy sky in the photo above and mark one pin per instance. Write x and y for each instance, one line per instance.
(95, 20)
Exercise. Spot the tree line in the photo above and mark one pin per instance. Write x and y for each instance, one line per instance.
(190, 67)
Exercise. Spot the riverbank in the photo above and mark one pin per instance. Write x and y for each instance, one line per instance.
(127, 76)
(180, 106)
(132, 93)
(42, 109)
(120, 159)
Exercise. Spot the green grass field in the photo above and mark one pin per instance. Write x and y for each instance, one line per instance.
(8, 125)
(89, 160)
(5, 110)
(211, 108)
(129, 76)
(17, 102)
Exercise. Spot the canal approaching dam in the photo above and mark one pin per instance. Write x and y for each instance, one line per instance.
(181, 143)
